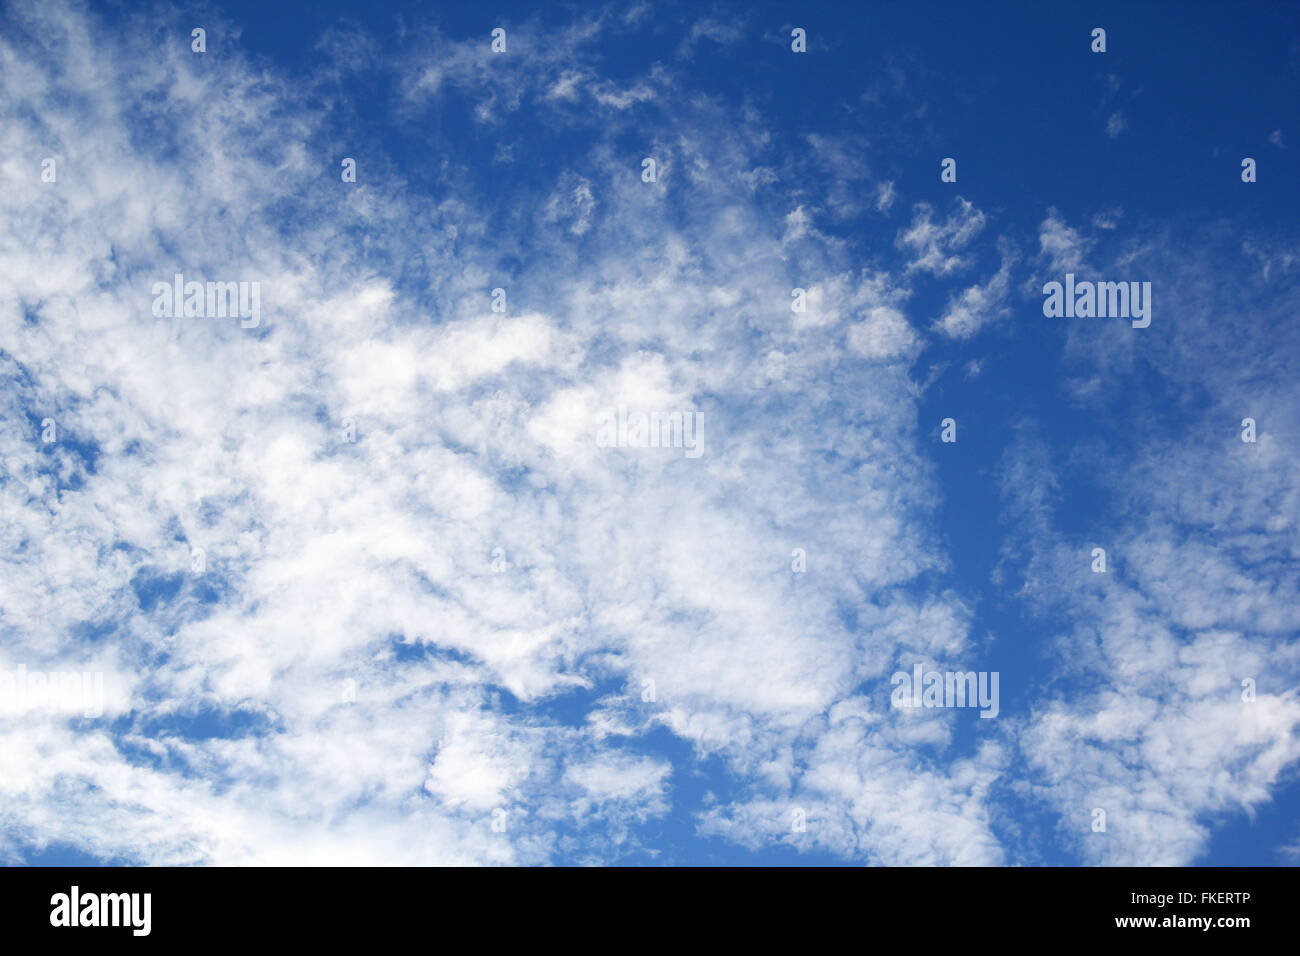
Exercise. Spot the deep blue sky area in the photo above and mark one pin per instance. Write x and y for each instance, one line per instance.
(1009, 89)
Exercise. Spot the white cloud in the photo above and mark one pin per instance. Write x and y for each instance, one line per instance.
(1062, 248)
(980, 304)
(935, 247)
(350, 613)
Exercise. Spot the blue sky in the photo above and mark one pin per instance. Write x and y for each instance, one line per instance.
(363, 584)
